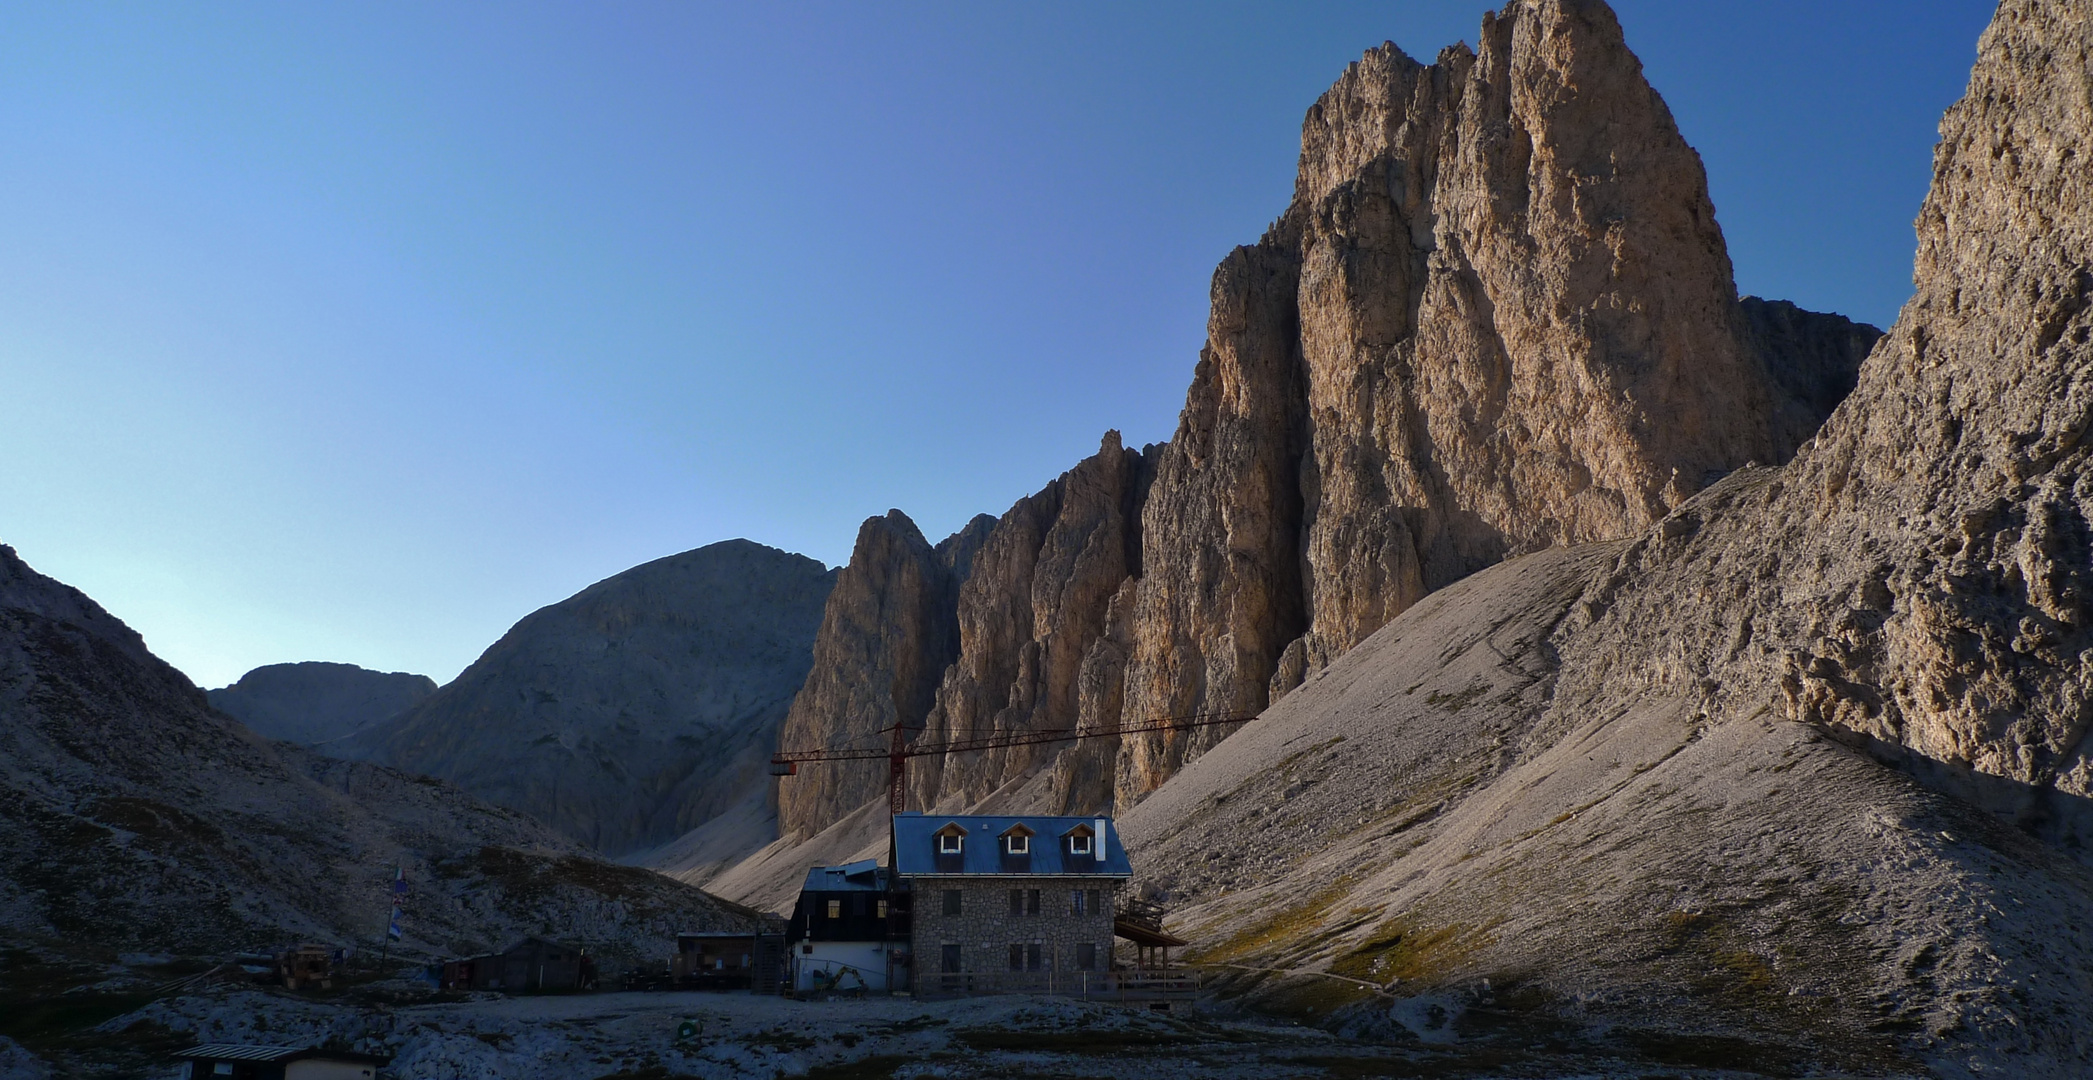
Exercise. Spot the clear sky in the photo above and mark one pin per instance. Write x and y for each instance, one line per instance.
(358, 331)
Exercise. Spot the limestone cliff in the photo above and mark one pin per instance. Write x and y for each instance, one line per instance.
(316, 702)
(1596, 781)
(635, 710)
(1029, 614)
(1497, 316)
(887, 633)
(1917, 579)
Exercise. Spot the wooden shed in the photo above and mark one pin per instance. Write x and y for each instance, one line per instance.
(229, 1061)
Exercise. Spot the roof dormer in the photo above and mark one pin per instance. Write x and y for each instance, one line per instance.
(1017, 840)
(1081, 841)
(951, 840)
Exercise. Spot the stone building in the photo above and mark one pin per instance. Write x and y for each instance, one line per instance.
(1004, 904)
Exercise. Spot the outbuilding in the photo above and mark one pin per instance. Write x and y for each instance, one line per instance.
(849, 930)
(230, 1061)
(728, 960)
(531, 965)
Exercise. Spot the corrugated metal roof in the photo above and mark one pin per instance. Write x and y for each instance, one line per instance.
(981, 850)
(236, 1052)
(239, 1052)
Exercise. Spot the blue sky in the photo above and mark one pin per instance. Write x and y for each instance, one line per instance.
(356, 332)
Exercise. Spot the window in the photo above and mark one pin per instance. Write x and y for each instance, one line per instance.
(948, 959)
(951, 901)
(882, 909)
(1079, 844)
(806, 950)
(1017, 844)
(1017, 901)
(948, 843)
(835, 909)
(1032, 957)
(1031, 901)
(1076, 903)
(1086, 956)
(1017, 957)
(1097, 903)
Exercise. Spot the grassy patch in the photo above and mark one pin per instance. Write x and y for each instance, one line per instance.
(1285, 927)
(1458, 700)
(877, 1067)
(1070, 1042)
(1413, 953)
(779, 1039)
(913, 1024)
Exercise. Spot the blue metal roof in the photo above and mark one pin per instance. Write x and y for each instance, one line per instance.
(865, 875)
(981, 849)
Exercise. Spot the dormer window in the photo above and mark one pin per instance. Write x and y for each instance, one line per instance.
(948, 843)
(1079, 844)
(1082, 841)
(1017, 840)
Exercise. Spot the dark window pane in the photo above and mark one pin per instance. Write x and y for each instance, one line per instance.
(1017, 901)
(1032, 957)
(949, 958)
(1031, 901)
(1086, 957)
(1017, 958)
(951, 901)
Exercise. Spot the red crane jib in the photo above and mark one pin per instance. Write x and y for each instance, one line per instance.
(787, 762)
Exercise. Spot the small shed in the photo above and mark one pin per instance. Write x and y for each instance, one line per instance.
(230, 1061)
(729, 960)
(531, 965)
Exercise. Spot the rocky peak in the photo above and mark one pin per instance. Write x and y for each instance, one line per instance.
(1029, 614)
(315, 701)
(1498, 316)
(1916, 580)
(887, 634)
(634, 710)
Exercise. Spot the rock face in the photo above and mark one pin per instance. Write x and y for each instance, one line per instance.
(635, 710)
(315, 702)
(1644, 782)
(1497, 316)
(888, 632)
(133, 817)
(1030, 613)
(1432, 838)
(1917, 579)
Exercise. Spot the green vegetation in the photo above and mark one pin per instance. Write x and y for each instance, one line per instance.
(1105, 1041)
(879, 1067)
(1413, 953)
(1285, 928)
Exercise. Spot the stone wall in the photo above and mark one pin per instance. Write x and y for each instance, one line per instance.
(985, 930)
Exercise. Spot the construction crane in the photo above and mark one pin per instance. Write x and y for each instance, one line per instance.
(899, 750)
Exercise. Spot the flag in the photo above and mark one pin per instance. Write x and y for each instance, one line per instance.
(399, 903)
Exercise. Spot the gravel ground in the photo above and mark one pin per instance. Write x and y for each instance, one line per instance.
(632, 1036)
